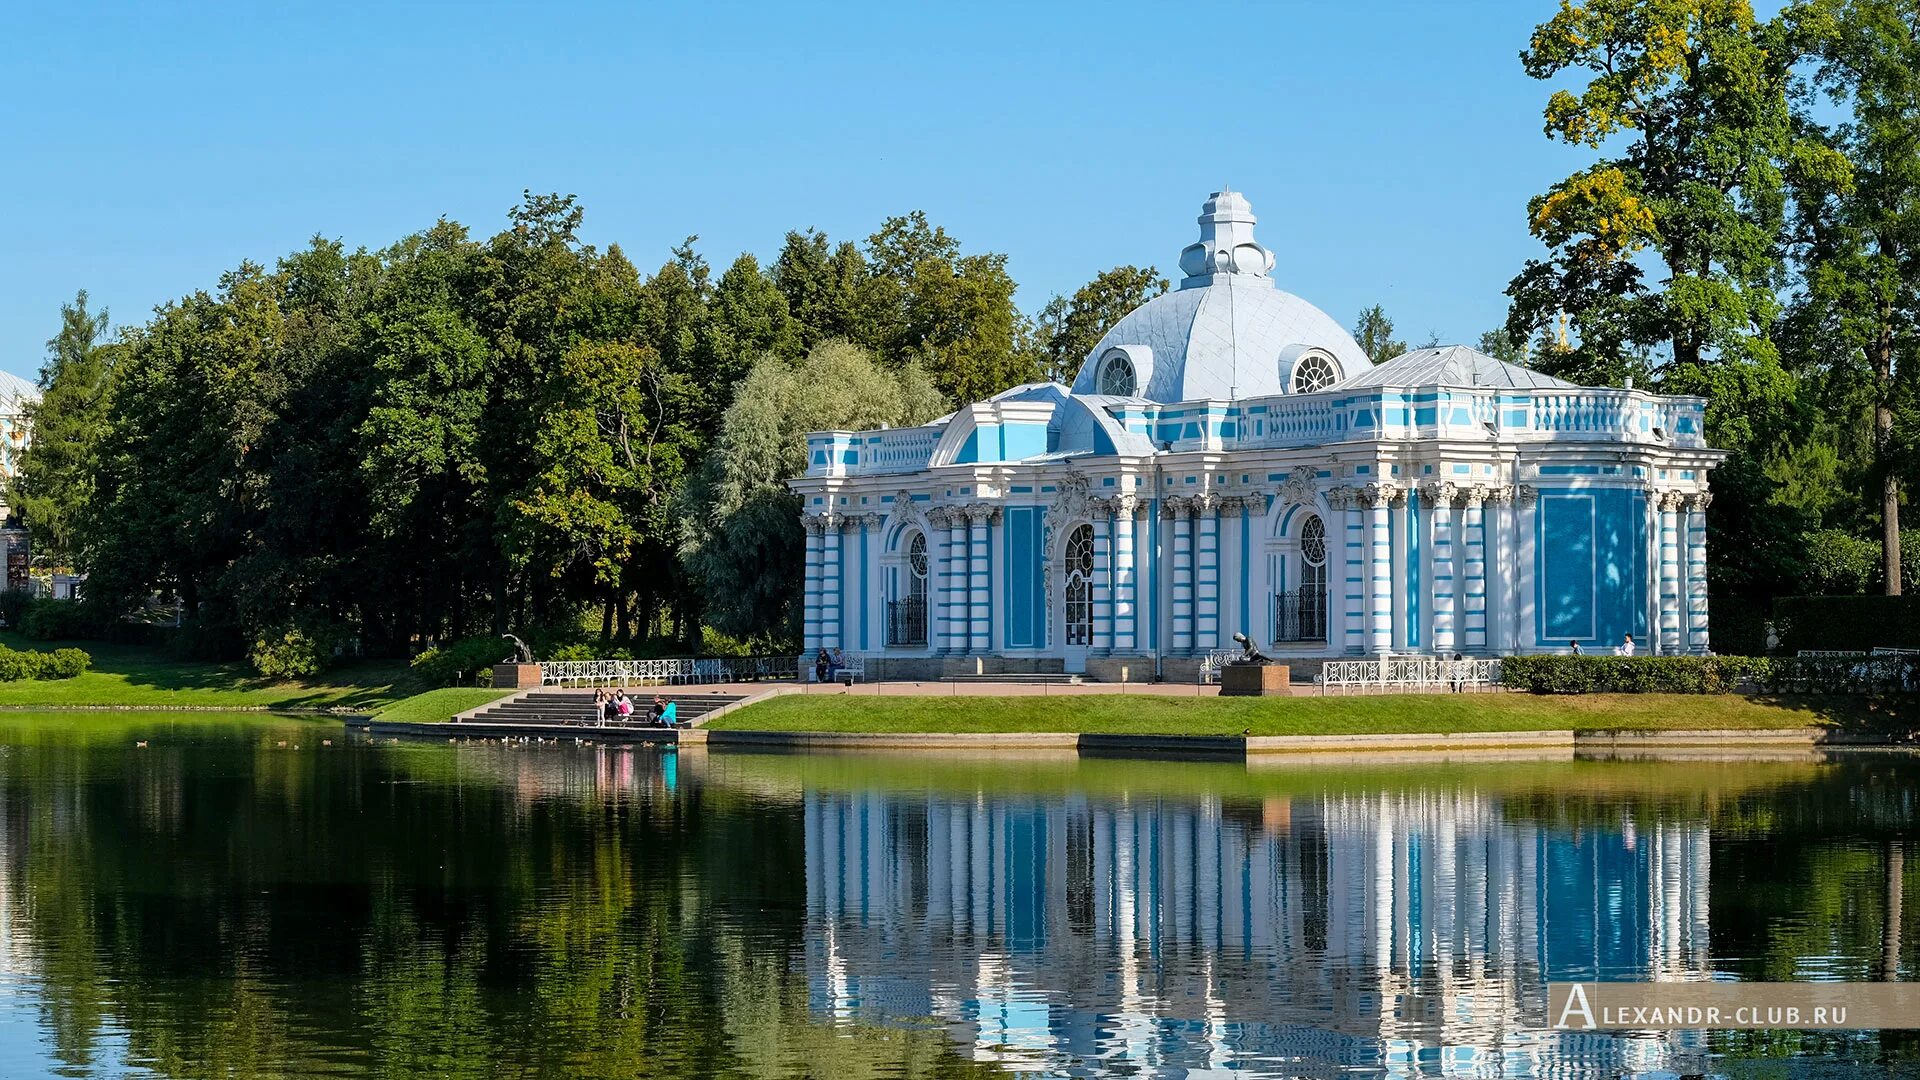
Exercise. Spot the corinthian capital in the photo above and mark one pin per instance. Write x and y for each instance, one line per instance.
(1437, 493)
(1698, 501)
(1377, 495)
(1526, 494)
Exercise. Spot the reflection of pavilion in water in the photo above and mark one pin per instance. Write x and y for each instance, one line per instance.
(1408, 933)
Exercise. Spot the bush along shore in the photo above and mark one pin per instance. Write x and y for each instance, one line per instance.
(17, 665)
(1862, 674)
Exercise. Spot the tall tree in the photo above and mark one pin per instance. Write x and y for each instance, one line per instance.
(1859, 219)
(1374, 331)
(1070, 327)
(738, 536)
(823, 285)
(954, 314)
(54, 479)
(1692, 95)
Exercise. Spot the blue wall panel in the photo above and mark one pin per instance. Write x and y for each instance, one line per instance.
(1592, 566)
(1025, 590)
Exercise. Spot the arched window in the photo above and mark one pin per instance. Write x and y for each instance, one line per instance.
(1116, 375)
(1079, 591)
(1302, 615)
(907, 611)
(1313, 373)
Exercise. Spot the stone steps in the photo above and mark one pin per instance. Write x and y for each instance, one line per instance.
(576, 707)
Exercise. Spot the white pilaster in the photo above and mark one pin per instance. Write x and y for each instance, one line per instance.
(1401, 535)
(1526, 509)
(1206, 585)
(1672, 606)
(1232, 558)
(1696, 505)
(1126, 578)
(830, 600)
(1502, 585)
(1436, 497)
(979, 577)
(1102, 511)
(1473, 591)
(1179, 510)
(1378, 498)
(957, 618)
(1351, 568)
(810, 590)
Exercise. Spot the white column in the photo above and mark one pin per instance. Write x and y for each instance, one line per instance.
(1102, 512)
(1437, 498)
(1526, 507)
(830, 581)
(1351, 566)
(1400, 544)
(1231, 561)
(1380, 574)
(1672, 609)
(979, 580)
(1501, 583)
(958, 623)
(1696, 504)
(1473, 592)
(810, 589)
(1206, 574)
(1126, 578)
(1180, 512)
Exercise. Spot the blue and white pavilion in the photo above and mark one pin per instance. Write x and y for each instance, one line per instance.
(1228, 460)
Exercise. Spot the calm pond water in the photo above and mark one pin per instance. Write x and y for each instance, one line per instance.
(239, 899)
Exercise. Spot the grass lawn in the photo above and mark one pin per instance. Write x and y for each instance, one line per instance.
(1146, 714)
(439, 706)
(137, 676)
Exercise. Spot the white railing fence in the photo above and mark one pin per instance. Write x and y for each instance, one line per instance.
(676, 671)
(1402, 673)
(1211, 664)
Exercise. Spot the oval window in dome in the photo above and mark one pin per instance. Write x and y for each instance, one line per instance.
(1116, 375)
(1313, 372)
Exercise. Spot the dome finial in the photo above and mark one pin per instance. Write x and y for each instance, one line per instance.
(1226, 250)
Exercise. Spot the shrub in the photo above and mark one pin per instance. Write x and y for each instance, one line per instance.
(66, 663)
(1632, 674)
(290, 654)
(1847, 622)
(13, 606)
(574, 652)
(461, 661)
(1840, 563)
(65, 620)
(17, 664)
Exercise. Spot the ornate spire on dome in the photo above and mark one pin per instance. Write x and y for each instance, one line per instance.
(1226, 249)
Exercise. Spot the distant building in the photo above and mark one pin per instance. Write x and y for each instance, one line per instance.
(1228, 459)
(16, 394)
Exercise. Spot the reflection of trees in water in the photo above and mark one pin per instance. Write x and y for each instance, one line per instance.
(410, 911)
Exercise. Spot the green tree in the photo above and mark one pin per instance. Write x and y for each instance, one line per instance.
(1501, 346)
(738, 519)
(1069, 328)
(611, 445)
(953, 313)
(1374, 331)
(824, 286)
(54, 479)
(1692, 94)
(1858, 193)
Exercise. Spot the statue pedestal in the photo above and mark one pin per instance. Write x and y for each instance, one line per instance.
(516, 676)
(1255, 680)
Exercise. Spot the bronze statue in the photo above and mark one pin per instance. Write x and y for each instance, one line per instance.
(1250, 653)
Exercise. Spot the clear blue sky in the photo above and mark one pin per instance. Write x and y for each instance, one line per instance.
(1389, 149)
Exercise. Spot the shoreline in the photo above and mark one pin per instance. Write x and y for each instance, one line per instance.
(1211, 747)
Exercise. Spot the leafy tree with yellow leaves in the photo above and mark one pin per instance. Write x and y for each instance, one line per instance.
(1667, 251)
